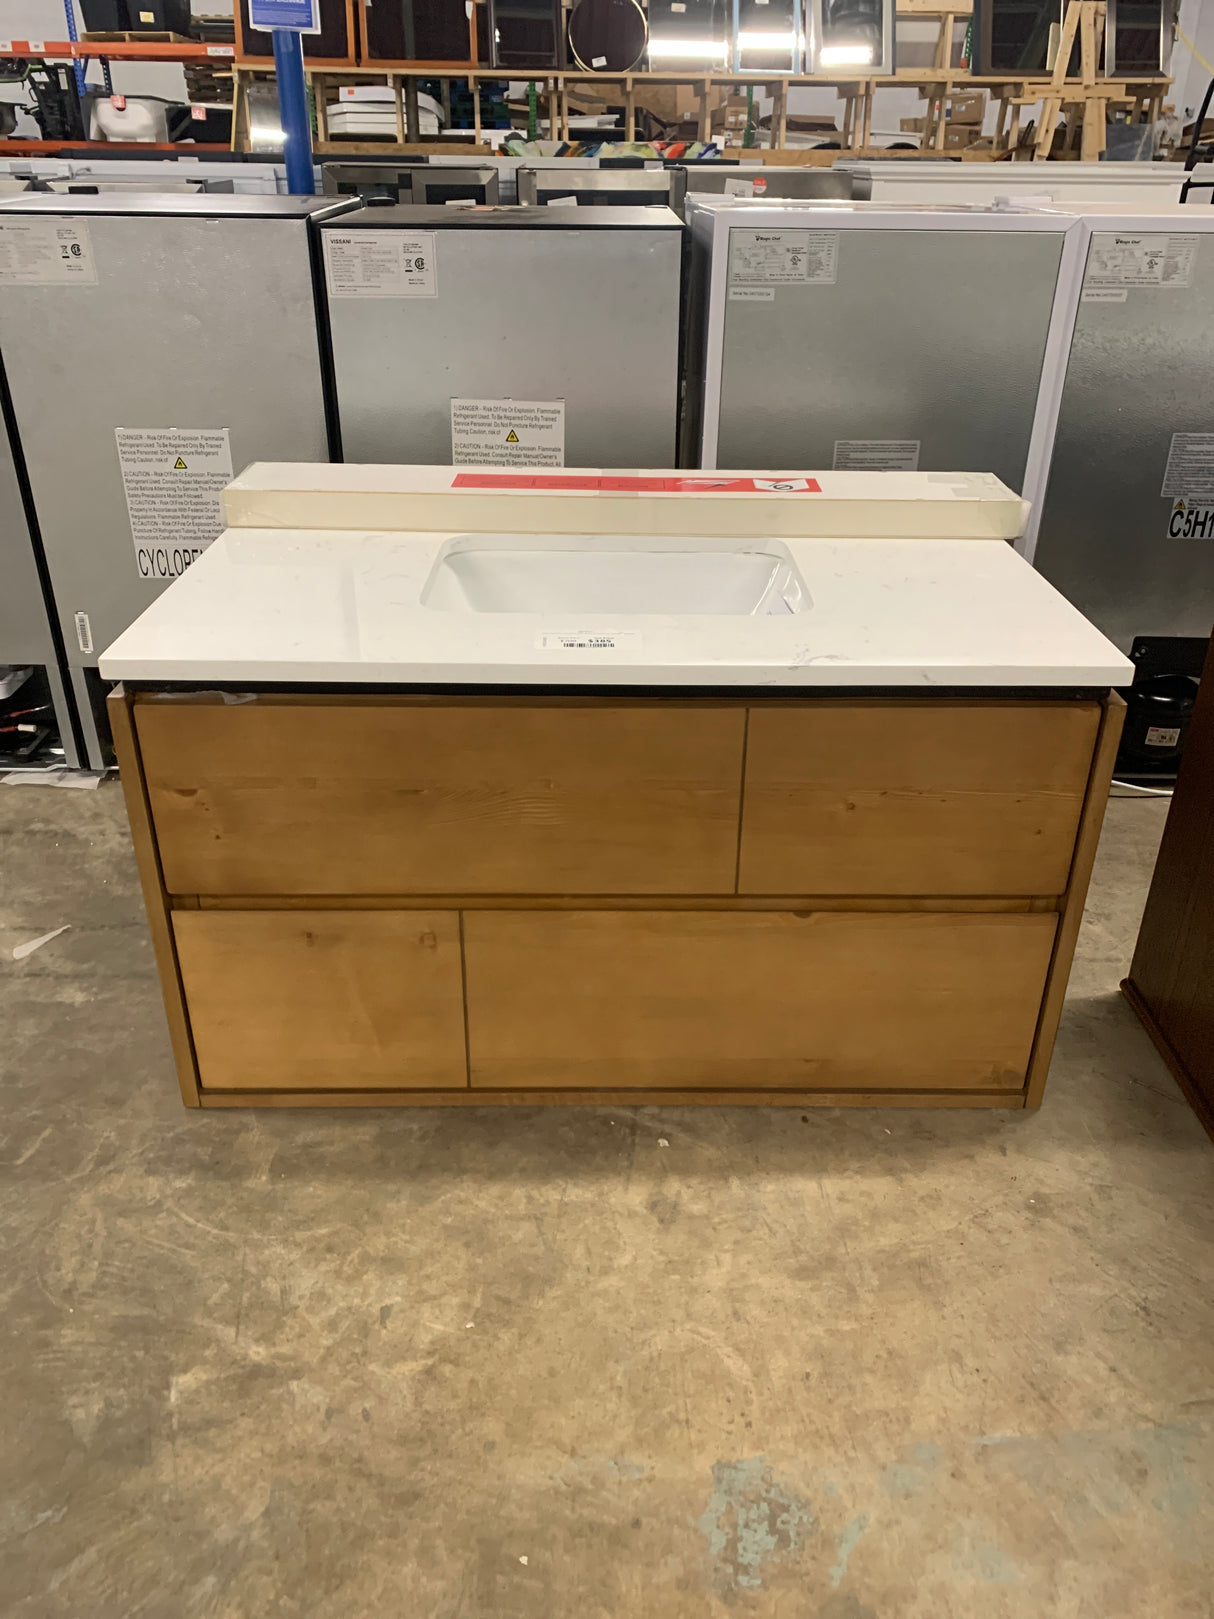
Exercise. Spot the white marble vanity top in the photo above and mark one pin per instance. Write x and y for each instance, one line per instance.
(321, 606)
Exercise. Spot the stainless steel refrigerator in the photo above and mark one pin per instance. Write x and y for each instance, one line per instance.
(1127, 530)
(856, 336)
(517, 336)
(154, 346)
(27, 640)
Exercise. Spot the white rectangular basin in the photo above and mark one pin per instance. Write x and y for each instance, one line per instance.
(571, 573)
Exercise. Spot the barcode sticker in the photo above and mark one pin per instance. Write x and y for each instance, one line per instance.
(588, 641)
(84, 632)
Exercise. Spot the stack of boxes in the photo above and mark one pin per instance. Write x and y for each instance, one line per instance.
(963, 115)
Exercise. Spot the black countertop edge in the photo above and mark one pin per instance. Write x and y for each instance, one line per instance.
(681, 694)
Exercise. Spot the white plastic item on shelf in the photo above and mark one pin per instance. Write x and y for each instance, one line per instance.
(129, 118)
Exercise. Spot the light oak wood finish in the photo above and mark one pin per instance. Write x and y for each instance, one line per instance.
(1075, 897)
(305, 1000)
(155, 896)
(267, 798)
(306, 996)
(612, 1098)
(836, 1001)
(937, 798)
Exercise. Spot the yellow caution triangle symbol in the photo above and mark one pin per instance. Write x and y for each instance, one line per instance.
(179, 465)
(512, 437)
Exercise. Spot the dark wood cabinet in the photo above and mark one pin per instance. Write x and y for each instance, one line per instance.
(1171, 982)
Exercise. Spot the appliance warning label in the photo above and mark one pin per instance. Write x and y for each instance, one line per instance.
(173, 477)
(46, 253)
(381, 264)
(876, 455)
(762, 260)
(508, 432)
(1190, 469)
(1117, 263)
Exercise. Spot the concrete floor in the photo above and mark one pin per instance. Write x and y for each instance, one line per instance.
(869, 1365)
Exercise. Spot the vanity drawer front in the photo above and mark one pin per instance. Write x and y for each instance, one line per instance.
(758, 1000)
(281, 798)
(324, 1000)
(904, 798)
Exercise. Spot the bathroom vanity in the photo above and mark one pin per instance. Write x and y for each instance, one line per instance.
(467, 786)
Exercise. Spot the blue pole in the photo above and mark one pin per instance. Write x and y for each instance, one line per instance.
(70, 13)
(293, 110)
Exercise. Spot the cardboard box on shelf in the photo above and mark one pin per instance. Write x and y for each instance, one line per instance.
(675, 102)
(958, 135)
(912, 126)
(969, 108)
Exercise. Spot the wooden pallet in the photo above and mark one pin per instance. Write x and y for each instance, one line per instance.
(136, 36)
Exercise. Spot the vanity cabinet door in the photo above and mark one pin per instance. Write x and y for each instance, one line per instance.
(903, 798)
(323, 1000)
(753, 1000)
(413, 798)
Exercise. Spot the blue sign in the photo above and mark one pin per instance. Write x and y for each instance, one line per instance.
(301, 16)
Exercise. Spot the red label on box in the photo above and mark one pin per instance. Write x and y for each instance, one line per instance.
(606, 483)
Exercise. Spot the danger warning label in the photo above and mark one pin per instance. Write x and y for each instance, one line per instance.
(1191, 521)
(508, 432)
(173, 477)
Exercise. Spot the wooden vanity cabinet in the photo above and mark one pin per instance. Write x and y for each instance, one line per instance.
(373, 899)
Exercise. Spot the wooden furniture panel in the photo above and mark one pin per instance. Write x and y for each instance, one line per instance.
(903, 798)
(1071, 903)
(155, 899)
(323, 1000)
(751, 1000)
(424, 798)
(1171, 982)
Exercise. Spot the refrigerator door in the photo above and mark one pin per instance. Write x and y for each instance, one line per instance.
(1127, 531)
(193, 320)
(910, 348)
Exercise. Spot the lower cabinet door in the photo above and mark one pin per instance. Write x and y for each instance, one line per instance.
(830, 1001)
(324, 1000)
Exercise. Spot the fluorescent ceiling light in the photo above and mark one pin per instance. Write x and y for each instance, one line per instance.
(845, 55)
(688, 47)
(765, 42)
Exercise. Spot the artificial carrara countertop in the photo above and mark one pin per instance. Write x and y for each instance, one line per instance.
(344, 606)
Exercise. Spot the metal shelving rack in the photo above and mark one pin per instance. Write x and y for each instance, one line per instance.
(110, 50)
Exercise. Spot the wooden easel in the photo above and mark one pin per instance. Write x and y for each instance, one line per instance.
(1087, 19)
(947, 12)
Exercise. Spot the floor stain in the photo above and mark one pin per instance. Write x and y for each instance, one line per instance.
(750, 1521)
(847, 1545)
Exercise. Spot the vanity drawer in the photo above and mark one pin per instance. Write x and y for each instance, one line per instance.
(323, 1000)
(291, 798)
(831, 1001)
(904, 798)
